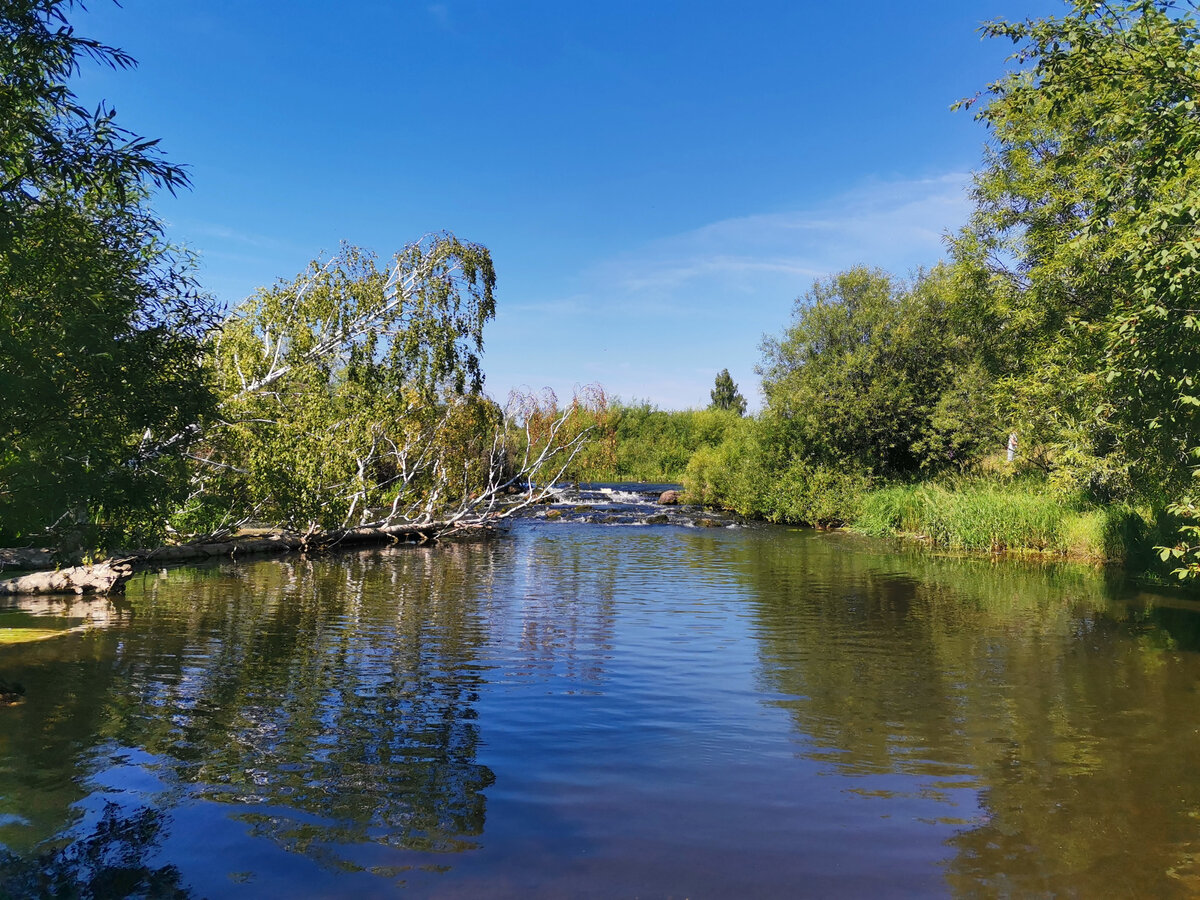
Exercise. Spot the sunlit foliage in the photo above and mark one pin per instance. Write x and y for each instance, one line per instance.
(101, 324)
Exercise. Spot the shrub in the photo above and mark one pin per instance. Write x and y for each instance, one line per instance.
(816, 495)
(732, 474)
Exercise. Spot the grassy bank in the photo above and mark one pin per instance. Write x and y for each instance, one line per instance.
(1019, 516)
(997, 508)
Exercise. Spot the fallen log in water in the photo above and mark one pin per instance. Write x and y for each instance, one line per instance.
(31, 558)
(110, 576)
(103, 578)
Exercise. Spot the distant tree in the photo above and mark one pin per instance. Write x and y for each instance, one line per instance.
(725, 394)
(101, 324)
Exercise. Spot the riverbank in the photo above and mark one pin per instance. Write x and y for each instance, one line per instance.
(46, 571)
(982, 516)
(985, 515)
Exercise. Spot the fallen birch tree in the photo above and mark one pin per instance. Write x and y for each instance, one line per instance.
(103, 578)
(534, 444)
(350, 408)
(351, 399)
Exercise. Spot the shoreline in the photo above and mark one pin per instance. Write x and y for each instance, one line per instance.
(40, 576)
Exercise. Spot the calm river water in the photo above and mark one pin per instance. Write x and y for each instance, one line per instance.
(588, 710)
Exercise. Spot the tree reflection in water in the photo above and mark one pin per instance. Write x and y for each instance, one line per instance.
(111, 861)
(1072, 734)
(332, 696)
(343, 689)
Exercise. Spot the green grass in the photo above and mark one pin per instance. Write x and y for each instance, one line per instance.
(1017, 516)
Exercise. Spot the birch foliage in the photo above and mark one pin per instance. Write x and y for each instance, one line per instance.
(351, 393)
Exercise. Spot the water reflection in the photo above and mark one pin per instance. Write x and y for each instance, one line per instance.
(629, 711)
(24, 618)
(1066, 703)
(335, 694)
(111, 860)
(560, 611)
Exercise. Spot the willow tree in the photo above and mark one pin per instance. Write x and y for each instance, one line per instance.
(1085, 232)
(101, 324)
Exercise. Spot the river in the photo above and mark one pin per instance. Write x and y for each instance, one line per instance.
(583, 709)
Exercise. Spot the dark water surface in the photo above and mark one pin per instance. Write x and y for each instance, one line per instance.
(588, 710)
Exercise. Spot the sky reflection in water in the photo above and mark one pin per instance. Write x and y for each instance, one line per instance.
(610, 711)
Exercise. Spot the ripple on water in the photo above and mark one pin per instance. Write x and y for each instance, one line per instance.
(625, 711)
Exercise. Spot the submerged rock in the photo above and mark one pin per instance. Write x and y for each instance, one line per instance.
(658, 519)
(11, 693)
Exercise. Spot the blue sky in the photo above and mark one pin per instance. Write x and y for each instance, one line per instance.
(657, 182)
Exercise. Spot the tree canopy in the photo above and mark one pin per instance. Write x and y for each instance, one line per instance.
(1085, 234)
(101, 323)
(879, 375)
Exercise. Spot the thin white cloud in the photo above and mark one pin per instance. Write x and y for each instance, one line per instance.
(440, 13)
(895, 225)
(669, 276)
(558, 306)
(654, 321)
(232, 235)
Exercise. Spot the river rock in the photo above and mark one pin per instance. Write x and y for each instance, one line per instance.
(669, 498)
(659, 519)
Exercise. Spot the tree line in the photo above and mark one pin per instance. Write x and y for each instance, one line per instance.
(1066, 317)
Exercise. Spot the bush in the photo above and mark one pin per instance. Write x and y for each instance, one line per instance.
(732, 474)
(816, 495)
